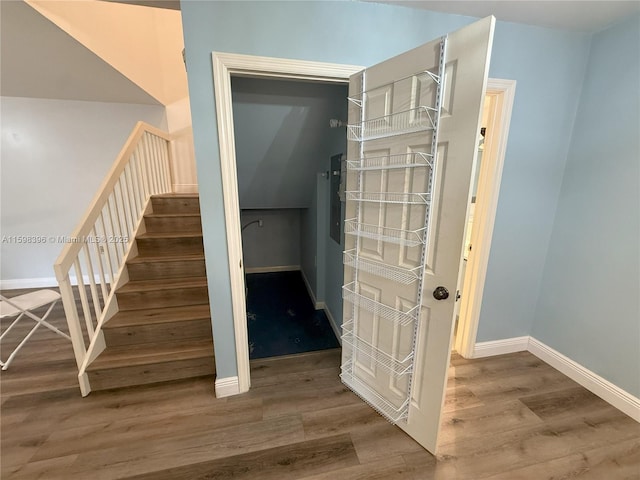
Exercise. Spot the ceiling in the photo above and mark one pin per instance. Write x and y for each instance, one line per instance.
(578, 15)
(42, 61)
(585, 16)
(171, 4)
(32, 65)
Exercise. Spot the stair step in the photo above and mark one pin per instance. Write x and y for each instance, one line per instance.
(156, 244)
(175, 203)
(173, 222)
(173, 324)
(142, 364)
(169, 266)
(160, 293)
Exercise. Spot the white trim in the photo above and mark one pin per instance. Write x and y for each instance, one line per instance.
(185, 188)
(334, 325)
(226, 387)
(274, 269)
(18, 283)
(616, 396)
(317, 305)
(224, 65)
(610, 393)
(323, 306)
(500, 347)
(503, 92)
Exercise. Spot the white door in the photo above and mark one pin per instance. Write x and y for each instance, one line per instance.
(413, 123)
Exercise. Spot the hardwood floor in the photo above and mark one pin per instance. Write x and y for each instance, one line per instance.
(507, 418)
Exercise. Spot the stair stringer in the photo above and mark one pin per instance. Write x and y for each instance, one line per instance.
(98, 344)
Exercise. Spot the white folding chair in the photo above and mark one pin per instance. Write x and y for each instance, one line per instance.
(22, 305)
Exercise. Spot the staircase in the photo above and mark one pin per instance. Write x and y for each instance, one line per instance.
(162, 331)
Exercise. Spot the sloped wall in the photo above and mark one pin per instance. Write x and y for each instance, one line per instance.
(143, 43)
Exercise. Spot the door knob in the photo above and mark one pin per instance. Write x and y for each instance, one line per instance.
(441, 293)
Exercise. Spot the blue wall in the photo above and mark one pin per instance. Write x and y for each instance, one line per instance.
(548, 65)
(276, 243)
(588, 307)
(281, 129)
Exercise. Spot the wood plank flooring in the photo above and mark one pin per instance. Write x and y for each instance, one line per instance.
(510, 417)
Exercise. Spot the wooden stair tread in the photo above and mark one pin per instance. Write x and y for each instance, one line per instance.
(170, 215)
(148, 354)
(175, 195)
(161, 235)
(157, 316)
(162, 284)
(166, 258)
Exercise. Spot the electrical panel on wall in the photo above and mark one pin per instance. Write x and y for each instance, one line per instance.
(336, 177)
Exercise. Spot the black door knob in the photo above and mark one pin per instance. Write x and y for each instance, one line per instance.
(441, 293)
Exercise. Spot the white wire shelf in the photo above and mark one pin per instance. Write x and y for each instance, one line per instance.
(385, 408)
(384, 311)
(399, 123)
(357, 99)
(405, 276)
(404, 198)
(409, 238)
(388, 162)
(387, 362)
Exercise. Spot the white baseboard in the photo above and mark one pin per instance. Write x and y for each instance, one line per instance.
(316, 304)
(185, 188)
(277, 268)
(334, 325)
(16, 283)
(226, 387)
(322, 306)
(500, 347)
(41, 282)
(593, 382)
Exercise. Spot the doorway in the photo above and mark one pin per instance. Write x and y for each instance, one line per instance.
(481, 214)
(284, 144)
(224, 66)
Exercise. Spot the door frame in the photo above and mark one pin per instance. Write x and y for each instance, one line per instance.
(227, 64)
(503, 94)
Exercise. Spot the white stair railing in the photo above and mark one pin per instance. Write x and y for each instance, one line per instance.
(95, 253)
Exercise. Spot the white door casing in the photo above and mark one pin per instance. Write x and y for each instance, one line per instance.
(397, 337)
(502, 94)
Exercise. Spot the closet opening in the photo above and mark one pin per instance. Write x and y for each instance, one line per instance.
(287, 135)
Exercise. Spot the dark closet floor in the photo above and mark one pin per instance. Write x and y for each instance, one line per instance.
(281, 318)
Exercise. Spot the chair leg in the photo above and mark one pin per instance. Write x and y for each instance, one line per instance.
(41, 320)
(11, 326)
(20, 345)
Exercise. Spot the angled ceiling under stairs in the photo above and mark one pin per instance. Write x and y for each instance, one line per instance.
(92, 50)
(40, 60)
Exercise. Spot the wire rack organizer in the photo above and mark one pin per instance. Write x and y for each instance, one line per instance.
(399, 123)
(392, 365)
(358, 352)
(368, 393)
(377, 308)
(389, 162)
(408, 238)
(404, 276)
